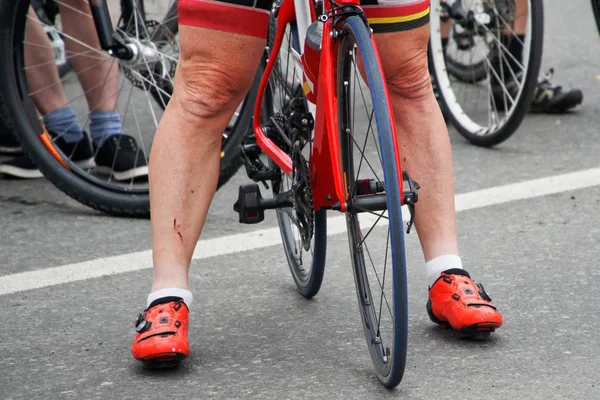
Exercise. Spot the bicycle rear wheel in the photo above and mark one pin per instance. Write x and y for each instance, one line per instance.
(303, 230)
(482, 84)
(143, 89)
(370, 164)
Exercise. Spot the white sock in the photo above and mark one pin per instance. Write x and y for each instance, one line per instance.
(185, 294)
(435, 267)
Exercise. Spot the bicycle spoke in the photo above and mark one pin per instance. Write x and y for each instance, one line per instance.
(369, 232)
(379, 280)
(387, 246)
(60, 82)
(364, 210)
(367, 161)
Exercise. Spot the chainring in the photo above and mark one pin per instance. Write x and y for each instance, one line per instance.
(304, 218)
(303, 204)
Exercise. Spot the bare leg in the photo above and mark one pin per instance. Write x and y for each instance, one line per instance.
(521, 17)
(445, 28)
(213, 76)
(423, 137)
(42, 76)
(97, 71)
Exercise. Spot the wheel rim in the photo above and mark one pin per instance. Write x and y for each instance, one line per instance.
(367, 231)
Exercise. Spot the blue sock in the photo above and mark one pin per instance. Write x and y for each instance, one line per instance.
(63, 123)
(104, 124)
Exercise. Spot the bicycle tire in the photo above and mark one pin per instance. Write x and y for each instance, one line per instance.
(461, 119)
(308, 278)
(389, 362)
(466, 73)
(76, 183)
(596, 10)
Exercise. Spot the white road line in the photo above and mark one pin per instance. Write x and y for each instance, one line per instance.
(269, 237)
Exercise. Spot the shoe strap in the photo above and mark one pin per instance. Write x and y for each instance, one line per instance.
(161, 319)
(465, 289)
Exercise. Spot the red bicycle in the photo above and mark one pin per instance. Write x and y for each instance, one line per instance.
(323, 119)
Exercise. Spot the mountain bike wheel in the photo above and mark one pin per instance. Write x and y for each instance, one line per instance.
(487, 108)
(370, 164)
(143, 89)
(303, 230)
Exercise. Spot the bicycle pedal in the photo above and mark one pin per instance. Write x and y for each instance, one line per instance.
(248, 205)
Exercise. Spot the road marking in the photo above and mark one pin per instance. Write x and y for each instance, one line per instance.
(270, 237)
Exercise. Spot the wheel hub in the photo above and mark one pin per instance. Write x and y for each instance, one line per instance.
(149, 66)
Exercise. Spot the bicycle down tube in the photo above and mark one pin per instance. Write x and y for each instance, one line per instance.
(325, 162)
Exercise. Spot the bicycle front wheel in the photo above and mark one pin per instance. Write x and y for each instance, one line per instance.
(485, 67)
(369, 155)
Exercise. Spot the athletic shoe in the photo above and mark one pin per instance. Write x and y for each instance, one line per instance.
(551, 99)
(161, 339)
(9, 144)
(80, 153)
(456, 301)
(120, 157)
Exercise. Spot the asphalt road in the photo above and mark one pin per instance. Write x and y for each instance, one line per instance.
(253, 336)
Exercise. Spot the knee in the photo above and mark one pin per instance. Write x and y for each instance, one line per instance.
(206, 91)
(410, 79)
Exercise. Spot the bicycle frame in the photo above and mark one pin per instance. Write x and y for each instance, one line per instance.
(328, 183)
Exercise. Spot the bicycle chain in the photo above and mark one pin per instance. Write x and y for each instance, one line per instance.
(300, 178)
(278, 120)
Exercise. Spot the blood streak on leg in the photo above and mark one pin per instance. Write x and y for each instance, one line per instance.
(176, 228)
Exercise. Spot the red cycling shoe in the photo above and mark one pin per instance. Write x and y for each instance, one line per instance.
(456, 301)
(162, 329)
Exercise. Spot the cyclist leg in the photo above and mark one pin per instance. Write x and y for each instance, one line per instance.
(96, 70)
(402, 34)
(213, 76)
(422, 133)
(42, 75)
